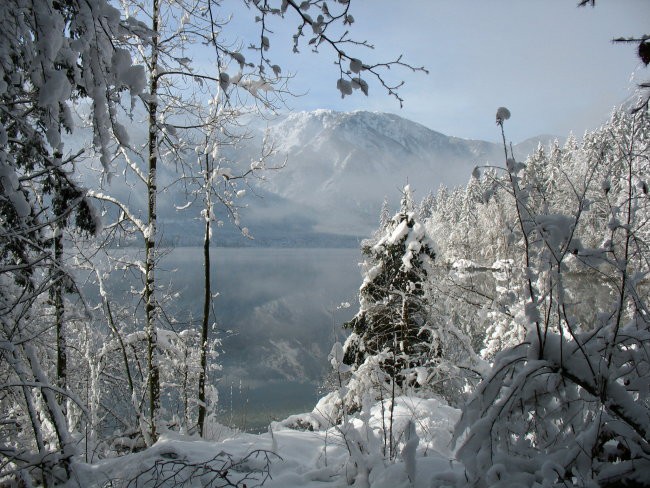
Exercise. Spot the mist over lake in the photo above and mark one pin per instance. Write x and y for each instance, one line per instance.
(281, 308)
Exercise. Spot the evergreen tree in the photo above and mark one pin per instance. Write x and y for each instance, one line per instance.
(394, 308)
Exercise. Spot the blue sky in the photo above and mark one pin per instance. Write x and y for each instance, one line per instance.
(552, 64)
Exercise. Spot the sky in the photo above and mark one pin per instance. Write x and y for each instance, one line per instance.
(552, 64)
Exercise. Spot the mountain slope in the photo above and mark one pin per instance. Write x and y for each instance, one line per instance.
(341, 166)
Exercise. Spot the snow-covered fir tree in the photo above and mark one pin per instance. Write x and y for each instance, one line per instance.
(394, 308)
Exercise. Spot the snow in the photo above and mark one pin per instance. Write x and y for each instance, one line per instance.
(303, 458)
(336, 358)
(410, 450)
(12, 189)
(356, 65)
(400, 231)
(502, 114)
(56, 88)
(344, 86)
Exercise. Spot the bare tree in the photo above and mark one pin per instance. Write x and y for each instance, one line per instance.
(643, 50)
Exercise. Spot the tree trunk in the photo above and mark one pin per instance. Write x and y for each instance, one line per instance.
(66, 444)
(150, 236)
(58, 277)
(203, 373)
(61, 346)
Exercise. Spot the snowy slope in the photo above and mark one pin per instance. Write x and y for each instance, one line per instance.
(287, 458)
(342, 165)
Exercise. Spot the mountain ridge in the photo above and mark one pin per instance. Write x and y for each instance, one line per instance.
(342, 165)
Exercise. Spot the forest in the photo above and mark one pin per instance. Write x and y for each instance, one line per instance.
(501, 336)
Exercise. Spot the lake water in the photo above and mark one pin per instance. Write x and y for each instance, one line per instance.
(281, 306)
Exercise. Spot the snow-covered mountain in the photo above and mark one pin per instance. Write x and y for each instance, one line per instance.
(341, 165)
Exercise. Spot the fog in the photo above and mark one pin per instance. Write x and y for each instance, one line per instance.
(281, 306)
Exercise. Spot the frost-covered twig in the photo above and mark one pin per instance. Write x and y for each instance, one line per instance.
(222, 470)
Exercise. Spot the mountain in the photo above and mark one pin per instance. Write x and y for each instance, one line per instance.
(341, 165)
(529, 146)
(338, 167)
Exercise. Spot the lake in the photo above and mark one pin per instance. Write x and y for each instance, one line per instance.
(281, 308)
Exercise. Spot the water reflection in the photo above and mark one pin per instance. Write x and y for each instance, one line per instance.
(280, 305)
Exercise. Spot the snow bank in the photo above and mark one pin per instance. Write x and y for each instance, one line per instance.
(307, 458)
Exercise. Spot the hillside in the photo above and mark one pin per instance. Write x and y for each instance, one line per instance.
(340, 166)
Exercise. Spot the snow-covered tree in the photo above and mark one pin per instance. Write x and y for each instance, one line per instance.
(53, 55)
(185, 103)
(394, 310)
(221, 184)
(568, 405)
(50, 54)
(407, 321)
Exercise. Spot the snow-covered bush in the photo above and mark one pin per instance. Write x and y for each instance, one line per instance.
(570, 404)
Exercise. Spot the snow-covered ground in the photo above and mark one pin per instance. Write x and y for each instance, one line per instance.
(350, 453)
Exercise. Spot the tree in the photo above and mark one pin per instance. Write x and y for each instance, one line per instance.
(183, 103)
(643, 51)
(52, 53)
(219, 189)
(394, 310)
(58, 54)
(568, 405)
